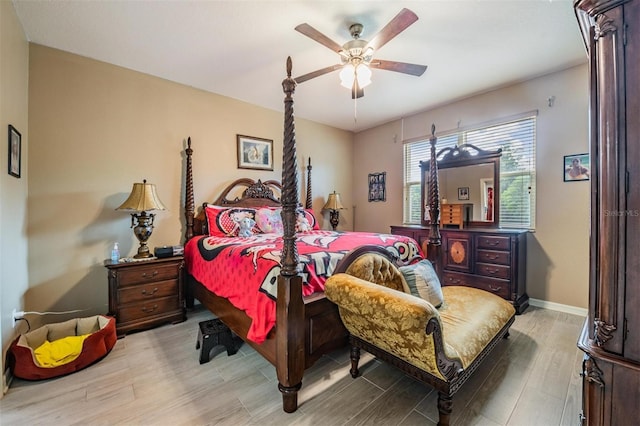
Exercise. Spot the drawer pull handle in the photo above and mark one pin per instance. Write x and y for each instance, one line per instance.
(454, 281)
(491, 271)
(147, 310)
(491, 243)
(494, 288)
(490, 257)
(151, 293)
(153, 274)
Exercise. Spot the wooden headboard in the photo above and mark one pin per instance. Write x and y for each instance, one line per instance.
(253, 194)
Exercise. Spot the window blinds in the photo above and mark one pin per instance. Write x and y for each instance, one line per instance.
(516, 137)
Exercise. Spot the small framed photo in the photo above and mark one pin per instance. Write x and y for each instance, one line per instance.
(15, 151)
(463, 193)
(377, 186)
(255, 153)
(576, 167)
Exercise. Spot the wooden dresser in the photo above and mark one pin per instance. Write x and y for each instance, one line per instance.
(456, 214)
(610, 338)
(147, 293)
(494, 260)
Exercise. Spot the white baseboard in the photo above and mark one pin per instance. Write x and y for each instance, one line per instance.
(7, 378)
(558, 307)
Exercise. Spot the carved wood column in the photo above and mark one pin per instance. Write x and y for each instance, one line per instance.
(290, 307)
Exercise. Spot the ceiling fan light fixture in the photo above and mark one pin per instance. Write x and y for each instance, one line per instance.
(347, 76)
(350, 72)
(363, 74)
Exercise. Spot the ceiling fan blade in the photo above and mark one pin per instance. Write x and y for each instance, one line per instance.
(403, 67)
(316, 35)
(317, 73)
(398, 24)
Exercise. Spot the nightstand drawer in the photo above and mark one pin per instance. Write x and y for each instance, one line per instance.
(496, 271)
(493, 242)
(148, 309)
(493, 256)
(148, 291)
(148, 273)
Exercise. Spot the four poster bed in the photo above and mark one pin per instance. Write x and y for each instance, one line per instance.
(287, 318)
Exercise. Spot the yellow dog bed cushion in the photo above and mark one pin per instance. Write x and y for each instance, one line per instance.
(57, 349)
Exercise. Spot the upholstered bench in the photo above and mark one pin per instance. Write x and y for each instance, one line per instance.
(212, 333)
(439, 346)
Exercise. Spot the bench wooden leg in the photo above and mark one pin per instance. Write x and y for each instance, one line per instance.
(355, 358)
(445, 404)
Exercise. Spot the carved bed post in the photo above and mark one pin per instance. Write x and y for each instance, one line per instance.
(309, 201)
(435, 241)
(289, 306)
(189, 205)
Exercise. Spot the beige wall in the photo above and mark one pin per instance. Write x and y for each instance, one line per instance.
(14, 79)
(96, 128)
(558, 250)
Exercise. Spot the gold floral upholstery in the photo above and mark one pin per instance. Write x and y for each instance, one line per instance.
(374, 307)
(376, 269)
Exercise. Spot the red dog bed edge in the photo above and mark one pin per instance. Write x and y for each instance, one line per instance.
(94, 348)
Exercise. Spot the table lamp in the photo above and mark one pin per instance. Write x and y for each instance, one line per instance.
(334, 205)
(143, 198)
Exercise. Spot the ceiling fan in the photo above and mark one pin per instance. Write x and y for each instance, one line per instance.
(357, 55)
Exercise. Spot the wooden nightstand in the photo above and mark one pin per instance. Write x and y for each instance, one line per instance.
(147, 293)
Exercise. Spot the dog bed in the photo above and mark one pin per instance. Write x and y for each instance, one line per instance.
(62, 348)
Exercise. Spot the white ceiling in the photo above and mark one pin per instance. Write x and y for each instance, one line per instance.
(239, 48)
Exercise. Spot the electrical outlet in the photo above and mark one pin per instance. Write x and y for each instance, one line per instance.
(13, 317)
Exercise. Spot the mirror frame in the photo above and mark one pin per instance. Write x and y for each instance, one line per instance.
(460, 156)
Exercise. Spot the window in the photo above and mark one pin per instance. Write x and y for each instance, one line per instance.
(516, 137)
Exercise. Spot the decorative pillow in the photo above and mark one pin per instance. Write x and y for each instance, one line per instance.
(225, 221)
(269, 220)
(310, 219)
(423, 282)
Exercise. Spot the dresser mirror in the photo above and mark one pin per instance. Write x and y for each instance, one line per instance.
(469, 179)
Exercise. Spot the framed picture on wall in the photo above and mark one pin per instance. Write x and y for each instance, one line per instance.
(463, 193)
(254, 153)
(576, 167)
(377, 186)
(15, 151)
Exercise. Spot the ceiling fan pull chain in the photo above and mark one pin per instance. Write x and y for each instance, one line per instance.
(355, 113)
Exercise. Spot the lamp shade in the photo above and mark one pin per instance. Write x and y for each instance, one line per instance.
(334, 202)
(143, 198)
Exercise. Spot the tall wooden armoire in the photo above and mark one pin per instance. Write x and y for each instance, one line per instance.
(611, 335)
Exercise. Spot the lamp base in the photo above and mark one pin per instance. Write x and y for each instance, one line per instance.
(334, 218)
(142, 230)
(143, 252)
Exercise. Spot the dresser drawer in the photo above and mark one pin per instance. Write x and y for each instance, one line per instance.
(150, 308)
(149, 291)
(491, 270)
(493, 256)
(493, 242)
(492, 285)
(151, 273)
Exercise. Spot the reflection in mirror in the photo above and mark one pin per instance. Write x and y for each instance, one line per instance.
(467, 179)
(478, 181)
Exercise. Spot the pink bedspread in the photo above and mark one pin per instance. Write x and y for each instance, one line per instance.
(245, 270)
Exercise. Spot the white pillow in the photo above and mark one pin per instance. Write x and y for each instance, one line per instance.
(423, 282)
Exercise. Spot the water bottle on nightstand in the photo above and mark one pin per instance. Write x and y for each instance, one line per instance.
(115, 253)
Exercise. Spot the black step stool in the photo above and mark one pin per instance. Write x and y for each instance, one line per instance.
(212, 333)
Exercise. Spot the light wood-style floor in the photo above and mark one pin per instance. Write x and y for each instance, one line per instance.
(154, 378)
